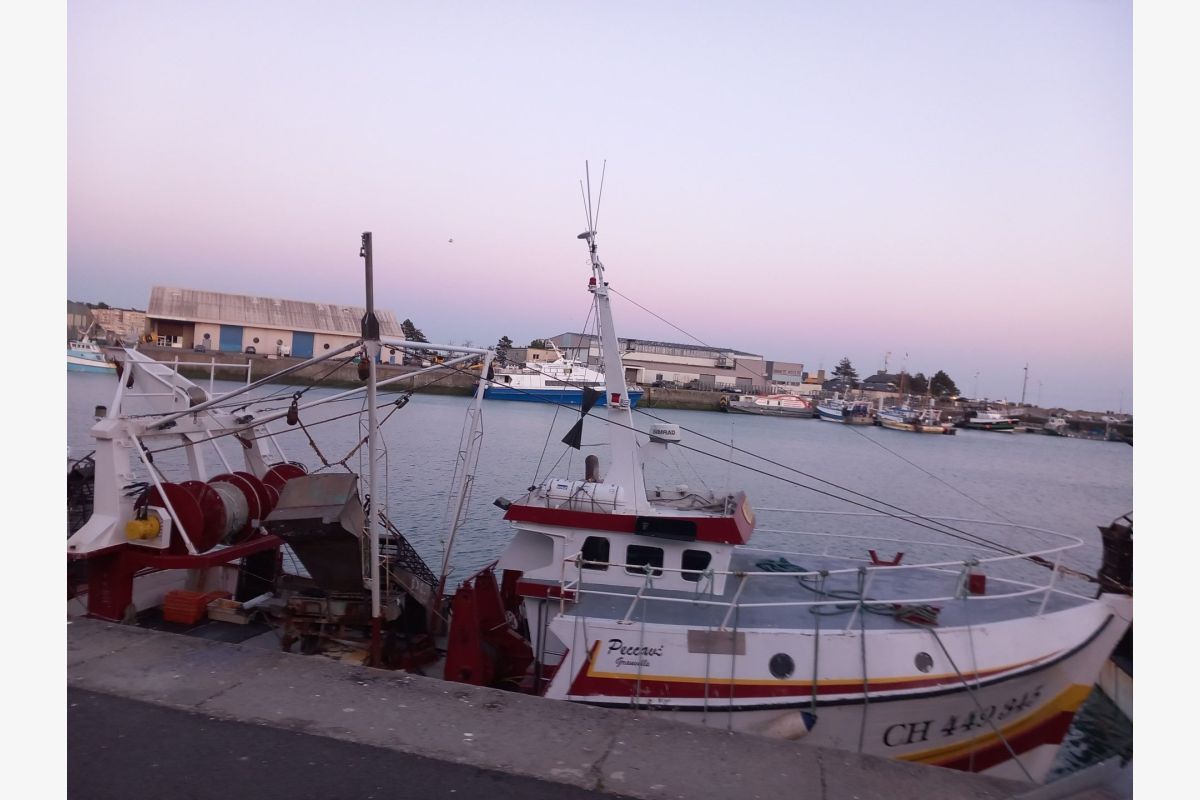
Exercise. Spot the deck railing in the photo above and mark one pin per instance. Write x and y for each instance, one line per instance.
(572, 583)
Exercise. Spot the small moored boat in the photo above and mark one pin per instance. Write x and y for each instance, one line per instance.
(851, 412)
(85, 355)
(987, 420)
(905, 418)
(771, 405)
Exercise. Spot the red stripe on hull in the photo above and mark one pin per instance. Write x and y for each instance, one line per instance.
(1051, 731)
(586, 685)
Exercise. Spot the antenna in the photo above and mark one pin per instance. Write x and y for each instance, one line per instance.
(587, 211)
(600, 197)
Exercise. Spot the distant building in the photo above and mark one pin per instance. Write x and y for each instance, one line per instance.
(881, 382)
(650, 362)
(235, 323)
(786, 372)
(840, 385)
(79, 319)
(122, 325)
(520, 355)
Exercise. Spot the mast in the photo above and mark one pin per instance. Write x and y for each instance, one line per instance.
(626, 468)
(1024, 383)
(370, 335)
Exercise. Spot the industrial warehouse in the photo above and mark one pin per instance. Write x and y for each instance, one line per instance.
(233, 323)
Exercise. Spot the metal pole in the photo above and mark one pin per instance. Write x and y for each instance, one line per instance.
(370, 335)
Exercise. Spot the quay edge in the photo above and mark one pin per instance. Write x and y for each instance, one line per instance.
(614, 751)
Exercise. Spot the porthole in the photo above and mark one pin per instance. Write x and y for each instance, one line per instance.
(781, 665)
(279, 341)
(256, 340)
(595, 551)
(326, 345)
(693, 563)
(208, 336)
(924, 662)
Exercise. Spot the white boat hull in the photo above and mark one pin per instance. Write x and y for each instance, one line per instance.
(1025, 685)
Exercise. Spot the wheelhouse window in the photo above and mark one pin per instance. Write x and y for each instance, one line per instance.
(595, 548)
(697, 560)
(640, 559)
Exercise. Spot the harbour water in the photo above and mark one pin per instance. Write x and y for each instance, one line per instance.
(1070, 486)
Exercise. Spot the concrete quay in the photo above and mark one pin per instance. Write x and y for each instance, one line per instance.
(602, 750)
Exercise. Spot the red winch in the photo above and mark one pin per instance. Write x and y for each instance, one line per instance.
(224, 510)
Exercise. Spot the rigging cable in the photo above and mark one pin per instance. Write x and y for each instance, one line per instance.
(913, 518)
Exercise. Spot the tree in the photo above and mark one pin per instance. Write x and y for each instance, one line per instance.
(941, 385)
(918, 384)
(845, 370)
(412, 332)
(539, 344)
(502, 348)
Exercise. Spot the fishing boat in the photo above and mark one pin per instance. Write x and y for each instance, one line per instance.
(1055, 426)
(84, 355)
(188, 499)
(913, 420)
(618, 592)
(562, 380)
(771, 405)
(987, 420)
(851, 412)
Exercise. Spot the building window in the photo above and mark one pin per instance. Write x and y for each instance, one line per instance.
(697, 560)
(640, 560)
(326, 345)
(256, 340)
(595, 548)
(208, 336)
(279, 341)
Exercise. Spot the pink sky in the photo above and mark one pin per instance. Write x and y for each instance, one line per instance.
(802, 180)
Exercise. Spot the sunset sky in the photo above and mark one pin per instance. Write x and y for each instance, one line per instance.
(805, 180)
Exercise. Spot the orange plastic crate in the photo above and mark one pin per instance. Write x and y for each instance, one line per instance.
(188, 608)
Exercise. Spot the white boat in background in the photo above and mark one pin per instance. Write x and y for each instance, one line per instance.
(771, 405)
(1055, 426)
(987, 420)
(560, 381)
(84, 355)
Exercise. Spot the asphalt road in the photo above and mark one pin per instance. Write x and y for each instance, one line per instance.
(124, 750)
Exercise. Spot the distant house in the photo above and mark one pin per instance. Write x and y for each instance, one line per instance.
(123, 325)
(79, 319)
(881, 382)
(839, 385)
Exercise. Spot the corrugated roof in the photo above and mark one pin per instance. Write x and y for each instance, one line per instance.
(194, 305)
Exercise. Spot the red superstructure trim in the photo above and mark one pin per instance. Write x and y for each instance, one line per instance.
(733, 529)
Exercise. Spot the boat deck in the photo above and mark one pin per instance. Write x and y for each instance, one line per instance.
(895, 597)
